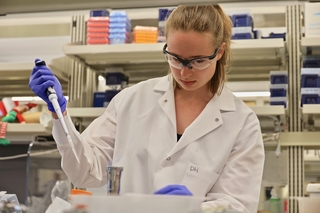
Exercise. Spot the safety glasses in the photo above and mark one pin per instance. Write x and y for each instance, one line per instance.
(195, 64)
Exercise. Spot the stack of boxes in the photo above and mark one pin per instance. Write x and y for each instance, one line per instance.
(163, 15)
(120, 28)
(98, 27)
(278, 87)
(310, 81)
(115, 82)
(242, 26)
(143, 34)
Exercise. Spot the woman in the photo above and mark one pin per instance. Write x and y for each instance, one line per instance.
(182, 134)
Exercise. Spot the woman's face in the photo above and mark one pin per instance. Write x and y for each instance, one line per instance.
(189, 45)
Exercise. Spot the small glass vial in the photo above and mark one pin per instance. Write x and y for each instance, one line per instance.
(114, 178)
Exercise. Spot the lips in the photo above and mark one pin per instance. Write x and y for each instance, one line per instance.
(188, 83)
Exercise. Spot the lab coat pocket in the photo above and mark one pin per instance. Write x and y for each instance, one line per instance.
(199, 180)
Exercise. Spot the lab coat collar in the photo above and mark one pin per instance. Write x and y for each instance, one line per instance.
(207, 121)
(225, 99)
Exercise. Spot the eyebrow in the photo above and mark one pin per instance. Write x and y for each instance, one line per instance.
(189, 58)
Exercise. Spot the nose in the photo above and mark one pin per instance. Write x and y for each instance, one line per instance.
(185, 72)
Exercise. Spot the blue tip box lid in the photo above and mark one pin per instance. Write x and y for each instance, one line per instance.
(99, 13)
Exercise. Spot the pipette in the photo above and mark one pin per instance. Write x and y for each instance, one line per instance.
(52, 95)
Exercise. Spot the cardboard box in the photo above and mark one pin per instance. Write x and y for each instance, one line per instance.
(312, 19)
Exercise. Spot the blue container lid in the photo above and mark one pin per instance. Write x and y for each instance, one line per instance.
(118, 13)
(99, 13)
(114, 78)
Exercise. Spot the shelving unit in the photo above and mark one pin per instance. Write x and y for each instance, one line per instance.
(25, 133)
(85, 112)
(269, 110)
(310, 109)
(15, 76)
(310, 45)
(253, 59)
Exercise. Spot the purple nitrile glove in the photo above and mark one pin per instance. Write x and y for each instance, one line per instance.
(40, 79)
(174, 189)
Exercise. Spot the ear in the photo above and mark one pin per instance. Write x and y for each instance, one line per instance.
(221, 51)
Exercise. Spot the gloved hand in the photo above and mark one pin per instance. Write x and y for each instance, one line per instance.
(174, 189)
(41, 78)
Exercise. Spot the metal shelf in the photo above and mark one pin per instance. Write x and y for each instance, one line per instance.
(15, 76)
(310, 42)
(139, 53)
(25, 133)
(86, 112)
(268, 110)
(147, 60)
(310, 45)
(27, 129)
(308, 109)
(309, 140)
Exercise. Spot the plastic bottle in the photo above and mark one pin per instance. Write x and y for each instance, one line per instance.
(274, 202)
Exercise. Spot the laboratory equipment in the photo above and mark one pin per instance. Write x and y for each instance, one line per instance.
(114, 178)
(54, 100)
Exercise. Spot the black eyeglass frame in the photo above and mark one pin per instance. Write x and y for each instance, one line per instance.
(187, 62)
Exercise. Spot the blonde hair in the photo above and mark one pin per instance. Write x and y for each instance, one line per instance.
(209, 19)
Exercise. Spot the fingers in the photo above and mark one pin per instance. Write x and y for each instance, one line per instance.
(42, 69)
(174, 190)
(165, 190)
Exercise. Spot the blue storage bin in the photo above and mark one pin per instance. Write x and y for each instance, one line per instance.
(99, 13)
(311, 63)
(310, 99)
(242, 20)
(310, 77)
(310, 80)
(114, 78)
(109, 94)
(240, 36)
(279, 77)
(282, 103)
(278, 92)
(310, 96)
(275, 35)
(99, 99)
(278, 101)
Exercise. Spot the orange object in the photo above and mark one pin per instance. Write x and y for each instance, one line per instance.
(80, 192)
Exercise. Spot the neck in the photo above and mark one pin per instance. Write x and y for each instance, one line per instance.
(202, 95)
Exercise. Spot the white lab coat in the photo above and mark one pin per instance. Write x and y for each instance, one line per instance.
(220, 155)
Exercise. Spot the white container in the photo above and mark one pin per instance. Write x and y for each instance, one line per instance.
(308, 204)
(312, 19)
(139, 203)
(314, 190)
